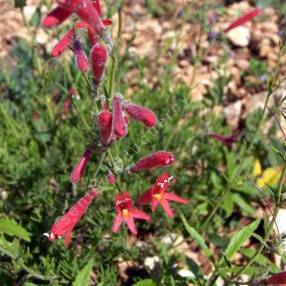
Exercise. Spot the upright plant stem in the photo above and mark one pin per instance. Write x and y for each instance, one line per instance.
(268, 232)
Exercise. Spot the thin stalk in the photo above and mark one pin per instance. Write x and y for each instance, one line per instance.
(101, 160)
(25, 267)
(268, 232)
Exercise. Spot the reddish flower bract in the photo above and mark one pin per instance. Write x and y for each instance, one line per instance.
(126, 213)
(65, 225)
(158, 159)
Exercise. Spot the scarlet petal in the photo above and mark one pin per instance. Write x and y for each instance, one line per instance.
(162, 183)
(136, 213)
(145, 198)
(175, 198)
(67, 239)
(131, 225)
(55, 17)
(80, 167)
(117, 222)
(96, 6)
(242, 20)
(165, 205)
(154, 204)
(63, 43)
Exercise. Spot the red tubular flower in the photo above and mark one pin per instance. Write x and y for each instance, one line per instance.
(155, 160)
(80, 167)
(226, 140)
(98, 59)
(80, 56)
(242, 20)
(63, 43)
(104, 122)
(86, 11)
(56, 17)
(65, 225)
(278, 279)
(68, 7)
(119, 126)
(157, 195)
(141, 113)
(126, 213)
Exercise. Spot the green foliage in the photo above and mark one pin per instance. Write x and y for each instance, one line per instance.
(83, 275)
(239, 238)
(40, 145)
(11, 228)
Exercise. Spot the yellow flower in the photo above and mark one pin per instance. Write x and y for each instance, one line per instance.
(268, 177)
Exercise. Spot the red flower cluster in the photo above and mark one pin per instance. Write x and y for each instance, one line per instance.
(156, 195)
(89, 12)
(111, 122)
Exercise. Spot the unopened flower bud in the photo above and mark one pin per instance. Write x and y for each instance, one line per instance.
(104, 122)
(111, 178)
(119, 125)
(156, 160)
(141, 113)
(80, 167)
(98, 59)
(63, 43)
(81, 59)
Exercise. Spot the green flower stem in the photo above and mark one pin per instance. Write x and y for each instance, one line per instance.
(268, 232)
(32, 273)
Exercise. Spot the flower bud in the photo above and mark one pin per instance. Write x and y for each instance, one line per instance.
(63, 43)
(80, 167)
(55, 17)
(141, 113)
(119, 125)
(111, 178)
(104, 122)
(156, 160)
(98, 59)
(276, 279)
(80, 56)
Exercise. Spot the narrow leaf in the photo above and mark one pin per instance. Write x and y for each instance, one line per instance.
(145, 282)
(83, 275)
(239, 238)
(196, 237)
(10, 227)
